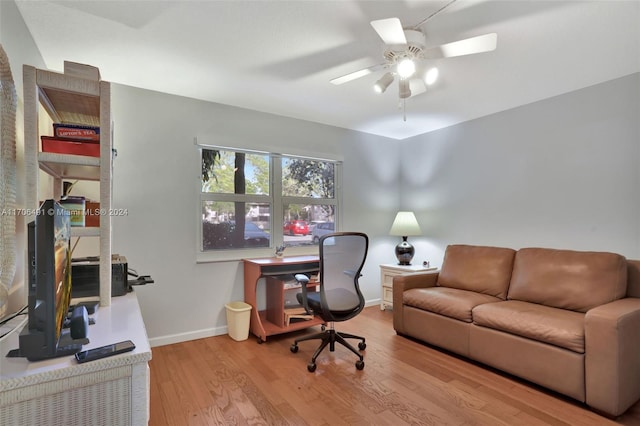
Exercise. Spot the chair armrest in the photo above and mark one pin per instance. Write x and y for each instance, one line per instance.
(301, 278)
(304, 280)
(612, 364)
(402, 283)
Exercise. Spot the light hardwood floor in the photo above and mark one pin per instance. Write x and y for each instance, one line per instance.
(218, 381)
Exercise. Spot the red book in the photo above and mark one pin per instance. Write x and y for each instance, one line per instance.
(70, 146)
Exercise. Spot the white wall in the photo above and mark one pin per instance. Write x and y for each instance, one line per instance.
(562, 172)
(155, 178)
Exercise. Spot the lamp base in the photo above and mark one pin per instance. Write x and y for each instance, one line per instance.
(404, 252)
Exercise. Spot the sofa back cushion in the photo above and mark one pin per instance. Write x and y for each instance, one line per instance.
(574, 280)
(481, 269)
(633, 278)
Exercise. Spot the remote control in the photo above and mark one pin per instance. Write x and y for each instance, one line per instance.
(105, 351)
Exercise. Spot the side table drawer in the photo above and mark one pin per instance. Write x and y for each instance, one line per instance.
(388, 272)
(387, 278)
(387, 295)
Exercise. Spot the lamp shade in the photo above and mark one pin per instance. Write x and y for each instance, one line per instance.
(384, 82)
(405, 224)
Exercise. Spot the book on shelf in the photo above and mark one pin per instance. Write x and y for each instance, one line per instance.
(77, 132)
(70, 146)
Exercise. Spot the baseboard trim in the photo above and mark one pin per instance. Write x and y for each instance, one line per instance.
(185, 337)
(208, 332)
(373, 302)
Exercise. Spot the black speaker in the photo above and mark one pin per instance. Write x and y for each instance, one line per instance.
(79, 323)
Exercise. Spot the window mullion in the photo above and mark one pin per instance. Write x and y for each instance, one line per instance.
(277, 205)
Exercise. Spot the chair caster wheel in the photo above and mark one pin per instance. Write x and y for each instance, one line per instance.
(362, 346)
(294, 348)
(312, 367)
(360, 365)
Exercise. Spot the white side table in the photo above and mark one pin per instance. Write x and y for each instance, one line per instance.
(390, 270)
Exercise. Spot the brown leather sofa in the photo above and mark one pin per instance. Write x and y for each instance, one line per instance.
(566, 320)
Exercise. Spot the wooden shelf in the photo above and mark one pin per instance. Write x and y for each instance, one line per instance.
(69, 99)
(271, 328)
(66, 166)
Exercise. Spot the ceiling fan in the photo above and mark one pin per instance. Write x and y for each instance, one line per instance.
(405, 54)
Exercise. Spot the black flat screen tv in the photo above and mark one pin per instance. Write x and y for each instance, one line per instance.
(49, 281)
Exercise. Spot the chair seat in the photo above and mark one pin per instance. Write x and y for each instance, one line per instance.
(342, 302)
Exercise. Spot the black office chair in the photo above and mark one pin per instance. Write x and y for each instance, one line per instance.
(342, 256)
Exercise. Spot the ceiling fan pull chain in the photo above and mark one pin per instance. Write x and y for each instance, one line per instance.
(404, 110)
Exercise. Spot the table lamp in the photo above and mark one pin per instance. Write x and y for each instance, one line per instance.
(405, 224)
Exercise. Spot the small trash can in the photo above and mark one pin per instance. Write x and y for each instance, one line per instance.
(238, 317)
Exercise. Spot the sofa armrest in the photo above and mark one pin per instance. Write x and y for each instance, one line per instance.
(401, 283)
(612, 361)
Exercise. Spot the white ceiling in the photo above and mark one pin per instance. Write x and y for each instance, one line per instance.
(278, 56)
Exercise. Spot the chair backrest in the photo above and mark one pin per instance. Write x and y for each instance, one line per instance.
(342, 256)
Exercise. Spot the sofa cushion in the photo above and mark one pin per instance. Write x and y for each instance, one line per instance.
(477, 268)
(568, 279)
(449, 302)
(558, 327)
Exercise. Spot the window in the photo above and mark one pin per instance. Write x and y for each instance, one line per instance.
(253, 200)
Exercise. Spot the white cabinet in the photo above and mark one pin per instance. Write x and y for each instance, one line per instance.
(70, 99)
(387, 272)
(59, 391)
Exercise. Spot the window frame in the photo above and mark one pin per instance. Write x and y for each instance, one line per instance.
(275, 199)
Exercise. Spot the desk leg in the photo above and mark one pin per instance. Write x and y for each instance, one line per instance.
(252, 273)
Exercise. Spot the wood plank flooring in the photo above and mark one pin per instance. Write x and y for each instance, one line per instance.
(218, 381)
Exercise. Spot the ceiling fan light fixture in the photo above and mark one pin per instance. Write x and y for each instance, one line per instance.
(406, 68)
(405, 89)
(431, 76)
(384, 82)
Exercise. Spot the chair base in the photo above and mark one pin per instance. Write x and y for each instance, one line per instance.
(331, 337)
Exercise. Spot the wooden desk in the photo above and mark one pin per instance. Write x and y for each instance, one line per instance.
(254, 269)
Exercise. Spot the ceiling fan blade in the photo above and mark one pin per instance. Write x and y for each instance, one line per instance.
(479, 44)
(390, 30)
(357, 74)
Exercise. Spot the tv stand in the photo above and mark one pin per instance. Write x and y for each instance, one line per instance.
(33, 343)
(66, 346)
(113, 390)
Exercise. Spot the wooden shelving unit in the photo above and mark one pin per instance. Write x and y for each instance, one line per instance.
(70, 99)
